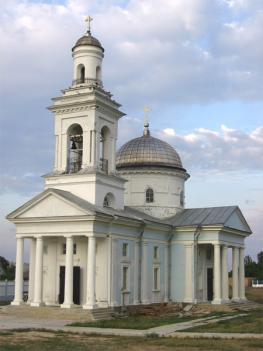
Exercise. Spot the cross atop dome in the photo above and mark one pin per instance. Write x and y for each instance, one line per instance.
(88, 20)
(146, 110)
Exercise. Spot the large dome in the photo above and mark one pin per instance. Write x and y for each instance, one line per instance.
(148, 151)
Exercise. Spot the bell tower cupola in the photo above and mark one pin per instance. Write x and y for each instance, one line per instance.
(87, 56)
(86, 131)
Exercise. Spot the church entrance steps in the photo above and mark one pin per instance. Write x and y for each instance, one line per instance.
(101, 313)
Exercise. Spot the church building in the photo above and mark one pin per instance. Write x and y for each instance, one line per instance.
(111, 228)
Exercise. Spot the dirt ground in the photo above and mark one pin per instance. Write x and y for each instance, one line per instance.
(42, 341)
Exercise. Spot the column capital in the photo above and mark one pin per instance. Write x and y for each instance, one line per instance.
(38, 237)
(217, 244)
(68, 236)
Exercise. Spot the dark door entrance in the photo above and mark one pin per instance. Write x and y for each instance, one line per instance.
(76, 285)
(210, 290)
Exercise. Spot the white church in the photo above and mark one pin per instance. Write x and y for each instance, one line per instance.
(111, 229)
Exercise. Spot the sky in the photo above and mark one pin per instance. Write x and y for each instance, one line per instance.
(196, 63)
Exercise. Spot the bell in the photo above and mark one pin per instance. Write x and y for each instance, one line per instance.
(73, 146)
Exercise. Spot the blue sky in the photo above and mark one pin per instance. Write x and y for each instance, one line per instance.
(197, 63)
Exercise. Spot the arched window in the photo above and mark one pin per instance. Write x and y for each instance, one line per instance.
(104, 148)
(75, 150)
(98, 73)
(80, 74)
(182, 198)
(149, 195)
(109, 200)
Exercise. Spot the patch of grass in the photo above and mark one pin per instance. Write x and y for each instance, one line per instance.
(252, 323)
(134, 322)
(40, 341)
(143, 322)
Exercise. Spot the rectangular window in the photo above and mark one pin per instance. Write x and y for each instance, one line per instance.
(156, 278)
(74, 249)
(155, 252)
(124, 249)
(125, 278)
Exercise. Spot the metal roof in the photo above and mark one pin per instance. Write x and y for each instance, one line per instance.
(148, 151)
(188, 217)
(203, 216)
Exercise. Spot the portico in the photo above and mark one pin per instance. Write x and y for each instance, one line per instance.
(36, 272)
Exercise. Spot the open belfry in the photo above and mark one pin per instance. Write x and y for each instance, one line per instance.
(111, 228)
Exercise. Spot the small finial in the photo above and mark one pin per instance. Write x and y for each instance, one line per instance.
(146, 131)
(88, 20)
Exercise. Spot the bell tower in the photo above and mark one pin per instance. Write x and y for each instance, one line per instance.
(86, 129)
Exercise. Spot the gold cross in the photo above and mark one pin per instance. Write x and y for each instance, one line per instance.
(88, 20)
(146, 110)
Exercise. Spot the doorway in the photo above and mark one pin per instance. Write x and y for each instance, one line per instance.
(76, 285)
(210, 289)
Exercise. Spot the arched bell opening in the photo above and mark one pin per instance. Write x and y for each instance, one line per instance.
(80, 74)
(109, 200)
(104, 148)
(75, 148)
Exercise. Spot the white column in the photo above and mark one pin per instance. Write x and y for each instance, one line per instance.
(235, 287)
(91, 274)
(38, 283)
(217, 275)
(166, 272)
(225, 290)
(189, 279)
(32, 263)
(136, 272)
(18, 300)
(145, 274)
(115, 281)
(241, 275)
(68, 293)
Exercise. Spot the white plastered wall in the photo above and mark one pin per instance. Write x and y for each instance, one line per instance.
(166, 186)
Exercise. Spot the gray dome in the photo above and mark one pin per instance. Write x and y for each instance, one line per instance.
(88, 39)
(148, 151)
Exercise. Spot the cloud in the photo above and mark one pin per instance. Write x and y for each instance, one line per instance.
(164, 51)
(228, 150)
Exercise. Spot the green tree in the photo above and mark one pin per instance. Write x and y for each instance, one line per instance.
(7, 269)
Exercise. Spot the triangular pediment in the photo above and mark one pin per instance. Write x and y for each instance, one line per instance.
(237, 221)
(50, 203)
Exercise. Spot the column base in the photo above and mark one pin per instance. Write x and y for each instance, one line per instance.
(188, 300)
(217, 302)
(235, 299)
(67, 305)
(145, 302)
(136, 302)
(243, 299)
(89, 307)
(226, 301)
(17, 303)
(37, 304)
(113, 304)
